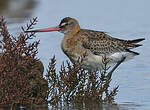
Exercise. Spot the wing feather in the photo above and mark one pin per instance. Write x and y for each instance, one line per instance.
(101, 43)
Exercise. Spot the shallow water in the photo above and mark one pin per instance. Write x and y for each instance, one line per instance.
(128, 19)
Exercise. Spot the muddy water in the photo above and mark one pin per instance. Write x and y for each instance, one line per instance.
(123, 19)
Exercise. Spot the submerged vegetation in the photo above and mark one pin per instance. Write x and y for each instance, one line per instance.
(22, 81)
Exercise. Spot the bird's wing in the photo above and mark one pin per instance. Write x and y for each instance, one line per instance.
(100, 43)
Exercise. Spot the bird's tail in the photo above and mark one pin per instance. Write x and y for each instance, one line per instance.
(137, 40)
(133, 52)
(134, 42)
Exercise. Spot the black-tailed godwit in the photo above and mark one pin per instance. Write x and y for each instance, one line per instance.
(92, 45)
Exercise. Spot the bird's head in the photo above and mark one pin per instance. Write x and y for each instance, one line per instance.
(67, 25)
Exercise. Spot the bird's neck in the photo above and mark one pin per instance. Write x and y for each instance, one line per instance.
(74, 31)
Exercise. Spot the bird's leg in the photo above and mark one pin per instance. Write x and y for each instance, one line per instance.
(113, 69)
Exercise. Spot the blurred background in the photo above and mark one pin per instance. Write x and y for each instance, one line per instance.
(128, 19)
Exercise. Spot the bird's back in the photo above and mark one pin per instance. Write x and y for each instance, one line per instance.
(101, 43)
(97, 44)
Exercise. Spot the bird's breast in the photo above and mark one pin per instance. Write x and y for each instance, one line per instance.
(68, 44)
(72, 47)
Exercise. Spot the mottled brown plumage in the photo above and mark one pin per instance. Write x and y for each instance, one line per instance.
(101, 43)
(90, 46)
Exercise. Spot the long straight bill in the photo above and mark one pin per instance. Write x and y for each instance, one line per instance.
(45, 30)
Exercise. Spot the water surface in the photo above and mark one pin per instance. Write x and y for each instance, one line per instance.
(128, 19)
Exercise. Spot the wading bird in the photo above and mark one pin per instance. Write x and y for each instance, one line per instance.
(91, 46)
